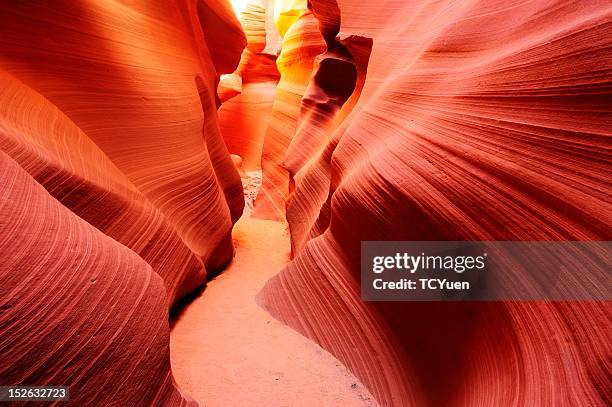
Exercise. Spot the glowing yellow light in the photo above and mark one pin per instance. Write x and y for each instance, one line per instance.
(239, 5)
(286, 12)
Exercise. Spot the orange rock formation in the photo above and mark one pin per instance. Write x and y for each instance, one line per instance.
(388, 120)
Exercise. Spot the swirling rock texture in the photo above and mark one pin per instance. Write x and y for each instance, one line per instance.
(393, 120)
(114, 174)
(173, 163)
(96, 312)
(478, 120)
(248, 93)
(302, 42)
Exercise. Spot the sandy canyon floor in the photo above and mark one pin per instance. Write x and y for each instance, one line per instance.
(228, 351)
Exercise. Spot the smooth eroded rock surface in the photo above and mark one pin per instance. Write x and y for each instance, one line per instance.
(114, 174)
(77, 308)
(477, 121)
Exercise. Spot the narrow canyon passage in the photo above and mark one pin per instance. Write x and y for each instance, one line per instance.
(131, 133)
(227, 351)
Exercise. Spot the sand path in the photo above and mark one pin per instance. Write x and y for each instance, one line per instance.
(227, 351)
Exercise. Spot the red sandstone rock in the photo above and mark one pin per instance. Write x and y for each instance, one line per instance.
(126, 102)
(110, 108)
(245, 113)
(400, 120)
(77, 308)
(73, 169)
(302, 42)
(477, 121)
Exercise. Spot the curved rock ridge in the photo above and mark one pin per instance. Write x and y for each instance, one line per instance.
(308, 202)
(96, 312)
(478, 120)
(310, 99)
(146, 101)
(253, 21)
(55, 152)
(247, 93)
(223, 33)
(115, 172)
(333, 90)
(302, 42)
(393, 120)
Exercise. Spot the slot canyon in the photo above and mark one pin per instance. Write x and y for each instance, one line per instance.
(185, 186)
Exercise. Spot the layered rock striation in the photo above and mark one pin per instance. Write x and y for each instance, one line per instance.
(119, 195)
(477, 121)
(400, 120)
(248, 92)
